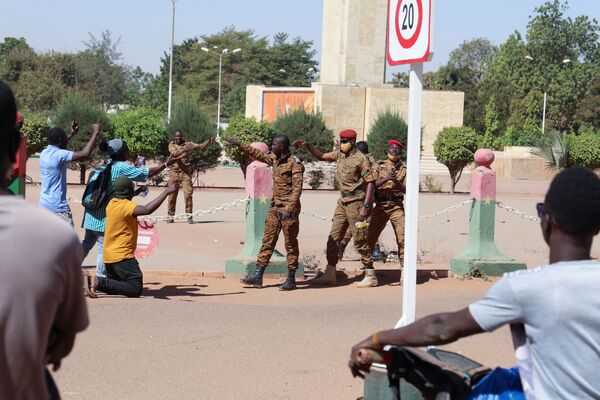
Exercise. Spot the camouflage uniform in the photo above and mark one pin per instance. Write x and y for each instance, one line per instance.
(388, 199)
(348, 236)
(181, 175)
(353, 173)
(287, 188)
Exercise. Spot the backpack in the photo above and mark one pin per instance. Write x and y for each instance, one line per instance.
(97, 193)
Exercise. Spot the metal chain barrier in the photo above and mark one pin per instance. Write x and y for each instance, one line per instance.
(513, 210)
(311, 214)
(447, 210)
(199, 213)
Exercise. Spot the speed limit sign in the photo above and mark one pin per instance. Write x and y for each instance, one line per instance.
(409, 31)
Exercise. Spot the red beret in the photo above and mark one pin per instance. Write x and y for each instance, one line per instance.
(19, 116)
(397, 143)
(348, 134)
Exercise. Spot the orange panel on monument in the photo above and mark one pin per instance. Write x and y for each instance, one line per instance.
(277, 103)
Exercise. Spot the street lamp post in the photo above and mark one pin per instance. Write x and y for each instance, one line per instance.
(171, 64)
(220, 55)
(564, 61)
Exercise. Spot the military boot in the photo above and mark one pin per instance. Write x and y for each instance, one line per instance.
(255, 279)
(370, 279)
(377, 256)
(326, 278)
(341, 250)
(290, 282)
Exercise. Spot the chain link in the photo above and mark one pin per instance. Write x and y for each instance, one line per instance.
(199, 213)
(446, 210)
(311, 214)
(513, 210)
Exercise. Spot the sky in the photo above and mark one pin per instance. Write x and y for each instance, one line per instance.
(144, 26)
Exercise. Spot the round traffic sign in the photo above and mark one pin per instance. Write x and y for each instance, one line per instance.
(409, 19)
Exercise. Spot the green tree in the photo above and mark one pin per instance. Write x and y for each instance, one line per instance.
(7, 46)
(143, 129)
(136, 82)
(197, 127)
(246, 130)
(298, 124)
(584, 150)
(474, 56)
(388, 125)
(35, 127)
(81, 109)
(455, 148)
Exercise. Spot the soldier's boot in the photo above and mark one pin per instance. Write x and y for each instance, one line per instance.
(170, 219)
(290, 282)
(190, 220)
(255, 279)
(341, 250)
(377, 256)
(327, 277)
(370, 279)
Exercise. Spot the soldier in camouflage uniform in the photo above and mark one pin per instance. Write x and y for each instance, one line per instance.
(181, 171)
(288, 175)
(357, 188)
(389, 207)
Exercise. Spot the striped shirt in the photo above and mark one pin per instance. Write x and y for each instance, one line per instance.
(95, 220)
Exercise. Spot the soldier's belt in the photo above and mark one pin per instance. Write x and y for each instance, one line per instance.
(391, 197)
(353, 193)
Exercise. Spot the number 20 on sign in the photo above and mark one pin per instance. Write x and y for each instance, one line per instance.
(409, 31)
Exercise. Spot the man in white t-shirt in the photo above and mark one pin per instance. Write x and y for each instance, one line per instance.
(553, 311)
(41, 302)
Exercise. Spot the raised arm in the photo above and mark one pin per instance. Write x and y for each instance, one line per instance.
(161, 167)
(267, 158)
(89, 147)
(316, 153)
(154, 204)
(203, 145)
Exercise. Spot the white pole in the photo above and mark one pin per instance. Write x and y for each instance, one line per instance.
(409, 290)
(171, 64)
(544, 115)
(219, 97)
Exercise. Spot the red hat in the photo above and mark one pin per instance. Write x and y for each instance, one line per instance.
(397, 143)
(19, 116)
(348, 134)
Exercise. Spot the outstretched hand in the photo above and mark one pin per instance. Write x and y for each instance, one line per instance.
(300, 144)
(95, 128)
(358, 366)
(231, 141)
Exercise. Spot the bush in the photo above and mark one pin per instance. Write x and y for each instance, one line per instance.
(143, 130)
(527, 136)
(584, 150)
(35, 127)
(246, 130)
(455, 147)
(315, 178)
(77, 107)
(388, 125)
(298, 124)
(197, 127)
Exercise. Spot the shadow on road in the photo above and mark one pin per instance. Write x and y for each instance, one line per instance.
(168, 291)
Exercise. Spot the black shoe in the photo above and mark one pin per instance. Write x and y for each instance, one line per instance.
(341, 250)
(377, 256)
(255, 279)
(290, 282)
(170, 220)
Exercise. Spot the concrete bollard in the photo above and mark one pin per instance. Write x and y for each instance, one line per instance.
(481, 252)
(259, 187)
(16, 178)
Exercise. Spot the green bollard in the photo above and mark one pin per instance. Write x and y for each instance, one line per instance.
(481, 253)
(259, 187)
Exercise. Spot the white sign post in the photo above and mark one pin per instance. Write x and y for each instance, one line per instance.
(409, 40)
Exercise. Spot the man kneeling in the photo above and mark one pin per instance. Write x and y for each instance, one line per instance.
(123, 274)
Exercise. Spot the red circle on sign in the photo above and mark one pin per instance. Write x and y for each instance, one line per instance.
(407, 43)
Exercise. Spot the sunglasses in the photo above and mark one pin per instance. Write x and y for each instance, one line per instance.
(542, 212)
(345, 140)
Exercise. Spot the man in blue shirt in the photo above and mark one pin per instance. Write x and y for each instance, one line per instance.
(53, 168)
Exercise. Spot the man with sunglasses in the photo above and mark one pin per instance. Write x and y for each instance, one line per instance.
(355, 179)
(552, 310)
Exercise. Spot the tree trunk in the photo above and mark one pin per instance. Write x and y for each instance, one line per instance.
(82, 170)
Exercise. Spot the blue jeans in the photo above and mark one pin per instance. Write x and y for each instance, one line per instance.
(90, 238)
